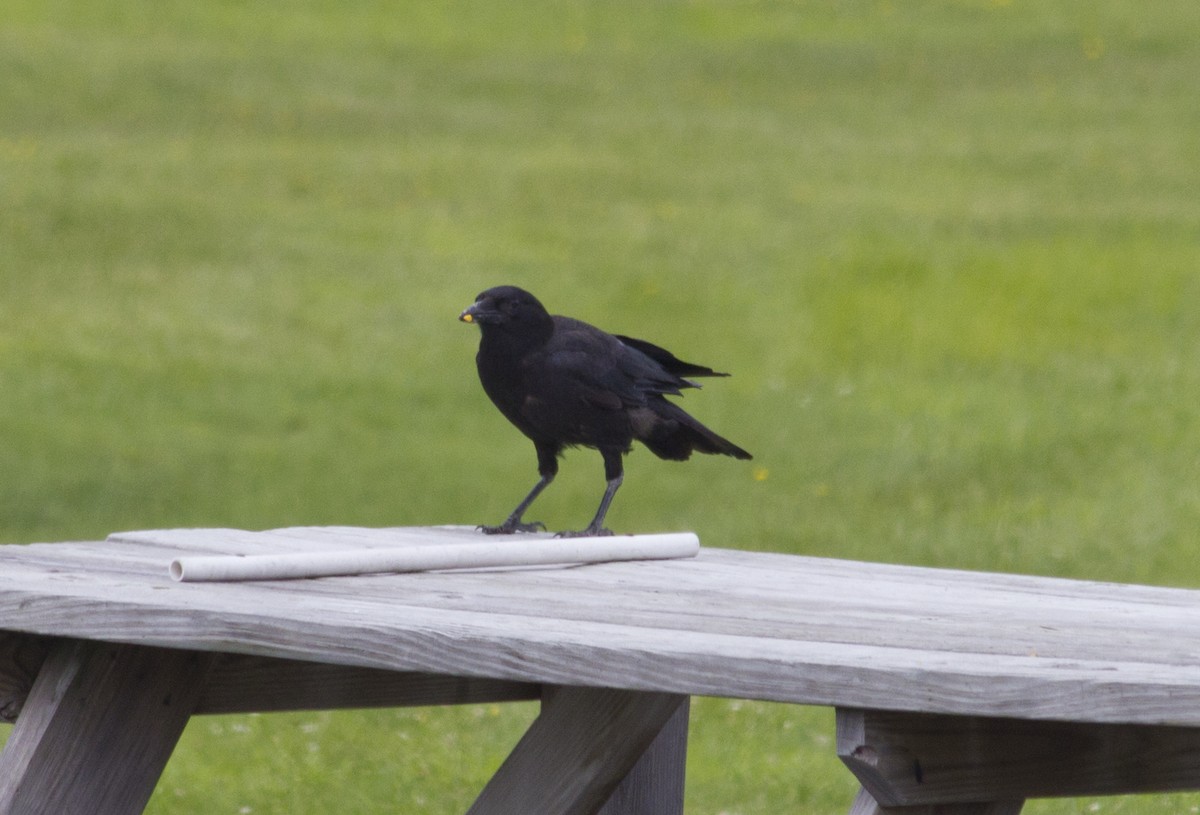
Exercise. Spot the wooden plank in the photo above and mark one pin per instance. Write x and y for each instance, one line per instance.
(576, 752)
(908, 759)
(97, 729)
(244, 684)
(789, 604)
(734, 624)
(761, 573)
(733, 573)
(359, 624)
(1019, 628)
(851, 625)
(768, 565)
(769, 602)
(655, 785)
(864, 804)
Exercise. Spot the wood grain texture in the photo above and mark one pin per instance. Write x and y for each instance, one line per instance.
(98, 728)
(907, 759)
(740, 624)
(864, 804)
(569, 762)
(655, 785)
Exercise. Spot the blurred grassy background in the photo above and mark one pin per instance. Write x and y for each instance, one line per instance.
(948, 249)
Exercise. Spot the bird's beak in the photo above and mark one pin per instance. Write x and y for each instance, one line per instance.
(478, 313)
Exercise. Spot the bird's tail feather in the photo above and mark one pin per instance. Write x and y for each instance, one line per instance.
(677, 435)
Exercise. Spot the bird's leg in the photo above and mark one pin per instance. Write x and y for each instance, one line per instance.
(513, 522)
(548, 468)
(614, 471)
(596, 527)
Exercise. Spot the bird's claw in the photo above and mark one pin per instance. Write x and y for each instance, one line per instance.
(510, 527)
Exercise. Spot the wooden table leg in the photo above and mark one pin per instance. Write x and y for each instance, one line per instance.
(97, 728)
(576, 753)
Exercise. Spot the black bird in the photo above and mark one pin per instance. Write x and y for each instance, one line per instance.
(564, 383)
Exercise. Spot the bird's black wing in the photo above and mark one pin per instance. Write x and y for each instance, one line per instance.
(615, 368)
(598, 368)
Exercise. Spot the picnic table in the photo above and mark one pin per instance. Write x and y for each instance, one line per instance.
(958, 693)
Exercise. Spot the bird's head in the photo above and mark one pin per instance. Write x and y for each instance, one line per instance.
(505, 306)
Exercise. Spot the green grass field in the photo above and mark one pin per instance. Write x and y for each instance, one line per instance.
(949, 250)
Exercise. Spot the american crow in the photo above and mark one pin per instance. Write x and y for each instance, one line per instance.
(563, 383)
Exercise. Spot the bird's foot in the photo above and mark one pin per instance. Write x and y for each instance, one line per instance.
(590, 532)
(512, 526)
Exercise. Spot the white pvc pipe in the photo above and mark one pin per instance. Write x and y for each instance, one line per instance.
(508, 552)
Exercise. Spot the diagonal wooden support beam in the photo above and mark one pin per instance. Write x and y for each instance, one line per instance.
(578, 750)
(906, 759)
(655, 784)
(97, 728)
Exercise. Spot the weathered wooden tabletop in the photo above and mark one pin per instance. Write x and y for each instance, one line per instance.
(934, 650)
